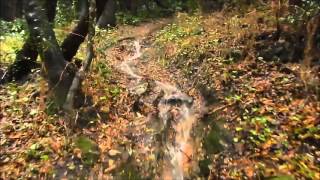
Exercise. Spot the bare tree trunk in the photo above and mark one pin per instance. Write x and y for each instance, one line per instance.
(26, 58)
(100, 4)
(311, 51)
(207, 6)
(76, 83)
(58, 71)
(276, 5)
(73, 41)
(107, 16)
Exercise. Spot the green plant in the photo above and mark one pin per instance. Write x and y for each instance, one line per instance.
(128, 18)
(103, 69)
(12, 36)
(18, 26)
(188, 26)
(301, 14)
(37, 151)
(89, 150)
(65, 13)
(105, 38)
(51, 108)
(115, 91)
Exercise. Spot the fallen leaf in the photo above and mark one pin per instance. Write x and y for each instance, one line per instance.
(113, 152)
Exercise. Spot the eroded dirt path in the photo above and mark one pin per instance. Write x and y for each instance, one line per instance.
(161, 107)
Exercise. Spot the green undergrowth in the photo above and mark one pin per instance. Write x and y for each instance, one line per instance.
(106, 38)
(127, 18)
(151, 11)
(12, 36)
(35, 137)
(9, 45)
(194, 37)
(36, 140)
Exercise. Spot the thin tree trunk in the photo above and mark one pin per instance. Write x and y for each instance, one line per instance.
(107, 16)
(73, 41)
(76, 83)
(100, 4)
(311, 51)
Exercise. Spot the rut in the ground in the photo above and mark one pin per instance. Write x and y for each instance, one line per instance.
(166, 114)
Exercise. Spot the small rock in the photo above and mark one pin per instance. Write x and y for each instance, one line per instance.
(140, 89)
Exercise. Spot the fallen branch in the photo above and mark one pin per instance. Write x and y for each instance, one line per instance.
(220, 108)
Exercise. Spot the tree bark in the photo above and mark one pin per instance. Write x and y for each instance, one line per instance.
(73, 41)
(59, 72)
(208, 6)
(161, 3)
(9, 10)
(107, 16)
(76, 83)
(312, 51)
(100, 4)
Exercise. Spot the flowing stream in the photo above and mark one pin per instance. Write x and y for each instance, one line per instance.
(179, 114)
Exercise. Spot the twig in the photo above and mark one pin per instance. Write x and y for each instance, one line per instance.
(221, 108)
(109, 169)
(66, 31)
(189, 158)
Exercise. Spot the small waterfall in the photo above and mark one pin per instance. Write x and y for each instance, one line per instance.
(175, 111)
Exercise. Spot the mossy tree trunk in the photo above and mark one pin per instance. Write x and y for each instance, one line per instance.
(58, 71)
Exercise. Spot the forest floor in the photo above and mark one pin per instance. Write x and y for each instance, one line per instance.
(256, 118)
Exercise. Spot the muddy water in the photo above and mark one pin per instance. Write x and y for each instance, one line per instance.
(178, 113)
